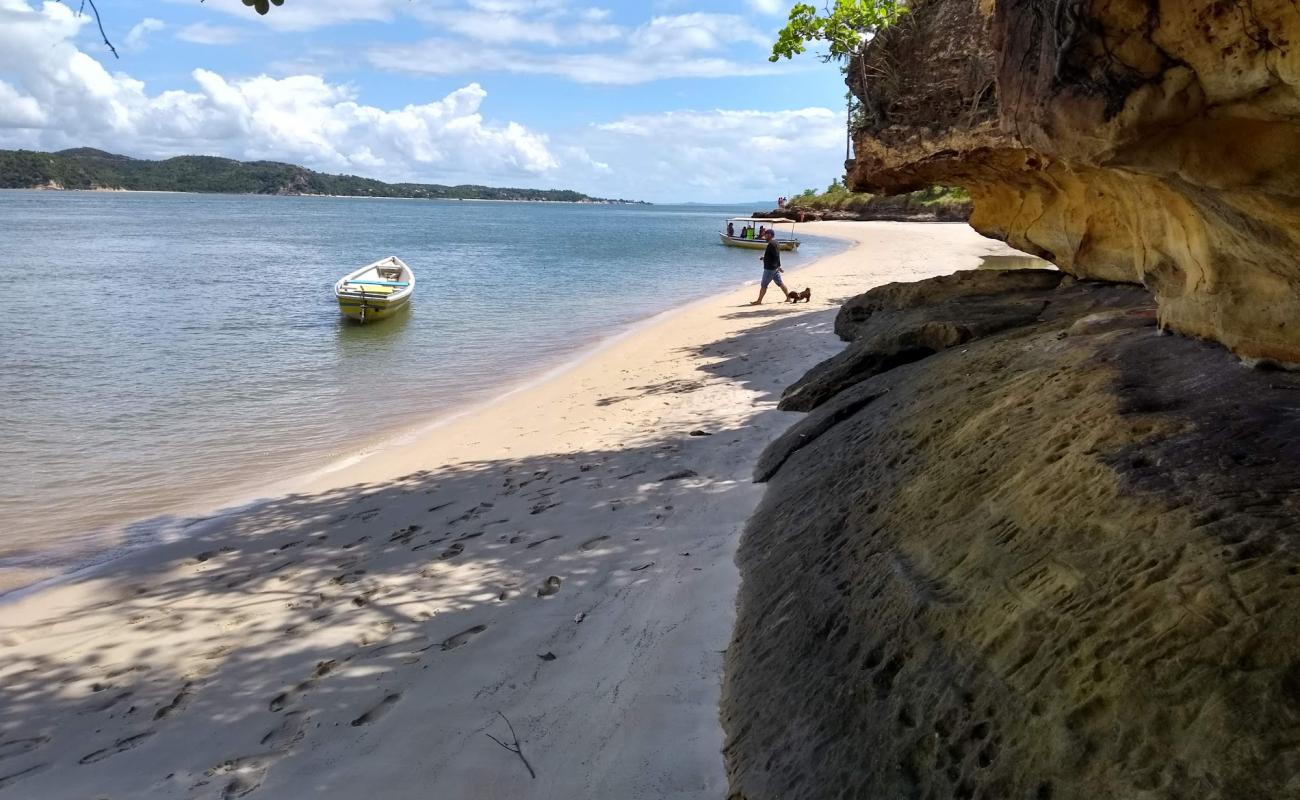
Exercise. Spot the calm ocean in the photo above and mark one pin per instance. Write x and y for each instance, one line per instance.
(162, 351)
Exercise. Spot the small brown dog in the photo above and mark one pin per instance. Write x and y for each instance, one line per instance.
(794, 297)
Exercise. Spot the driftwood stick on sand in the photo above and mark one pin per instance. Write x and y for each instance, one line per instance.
(514, 746)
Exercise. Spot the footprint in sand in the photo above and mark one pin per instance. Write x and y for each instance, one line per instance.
(592, 544)
(104, 706)
(375, 633)
(409, 649)
(178, 702)
(120, 746)
(363, 599)
(249, 772)
(429, 543)
(17, 747)
(550, 586)
(453, 551)
(288, 697)
(404, 535)
(348, 577)
(210, 554)
(463, 638)
(680, 474)
(8, 780)
(377, 713)
(540, 542)
(288, 733)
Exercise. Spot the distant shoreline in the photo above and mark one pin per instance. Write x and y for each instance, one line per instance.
(89, 169)
(332, 196)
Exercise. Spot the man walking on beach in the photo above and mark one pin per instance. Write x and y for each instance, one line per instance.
(771, 267)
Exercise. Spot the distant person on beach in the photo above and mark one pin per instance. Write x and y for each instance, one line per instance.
(771, 268)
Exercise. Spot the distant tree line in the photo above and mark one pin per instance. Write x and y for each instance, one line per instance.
(87, 168)
(838, 197)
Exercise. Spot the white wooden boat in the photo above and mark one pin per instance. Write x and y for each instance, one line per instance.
(740, 226)
(376, 290)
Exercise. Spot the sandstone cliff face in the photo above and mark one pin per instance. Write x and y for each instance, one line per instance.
(1054, 560)
(1150, 141)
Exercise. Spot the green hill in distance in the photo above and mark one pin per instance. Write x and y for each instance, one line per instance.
(88, 168)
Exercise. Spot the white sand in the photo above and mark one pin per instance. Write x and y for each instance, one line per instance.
(321, 648)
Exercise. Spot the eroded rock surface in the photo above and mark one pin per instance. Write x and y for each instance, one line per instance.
(903, 322)
(1059, 561)
(1152, 142)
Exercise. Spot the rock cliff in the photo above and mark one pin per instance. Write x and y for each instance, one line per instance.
(1049, 554)
(1148, 141)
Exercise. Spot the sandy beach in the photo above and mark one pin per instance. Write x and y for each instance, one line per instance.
(531, 600)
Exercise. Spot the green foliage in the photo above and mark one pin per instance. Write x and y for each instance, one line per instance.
(87, 168)
(845, 28)
(837, 189)
(838, 197)
(941, 195)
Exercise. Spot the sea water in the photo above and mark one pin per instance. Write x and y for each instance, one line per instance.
(161, 351)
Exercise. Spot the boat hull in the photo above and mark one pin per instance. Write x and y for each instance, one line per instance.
(366, 310)
(757, 244)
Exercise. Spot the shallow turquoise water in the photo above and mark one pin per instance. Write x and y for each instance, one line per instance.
(162, 349)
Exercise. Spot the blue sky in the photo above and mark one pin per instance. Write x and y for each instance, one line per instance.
(664, 101)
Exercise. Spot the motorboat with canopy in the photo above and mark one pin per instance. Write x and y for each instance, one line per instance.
(745, 233)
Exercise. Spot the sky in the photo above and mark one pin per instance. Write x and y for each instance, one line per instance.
(660, 100)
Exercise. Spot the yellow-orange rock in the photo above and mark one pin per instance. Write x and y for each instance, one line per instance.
(1151, 141)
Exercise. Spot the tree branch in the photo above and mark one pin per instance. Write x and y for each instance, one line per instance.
(514, 746)
(100, 23)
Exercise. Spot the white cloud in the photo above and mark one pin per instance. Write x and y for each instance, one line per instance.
(768, 6)
(518, 6)
(136, 37)
(577, 42)
(57, 96)
(203, 33)
(304, 15)
(720, 156)
(679, 34)
(19, 111)
(680, 46)
(447, 57)
(504, 28)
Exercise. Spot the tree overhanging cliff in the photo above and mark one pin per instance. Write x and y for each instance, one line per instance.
(1145, 141)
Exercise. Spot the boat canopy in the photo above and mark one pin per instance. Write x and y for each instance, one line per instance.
(760, 219)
